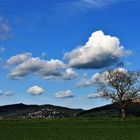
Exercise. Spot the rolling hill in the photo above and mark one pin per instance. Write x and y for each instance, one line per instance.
(16, 111)
(37, 111)
(111, 110)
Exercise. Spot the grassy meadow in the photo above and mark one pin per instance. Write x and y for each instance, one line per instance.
(71, 129)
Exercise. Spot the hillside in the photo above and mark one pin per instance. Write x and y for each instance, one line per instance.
(50, 111)
(111, 110)
(37, 111)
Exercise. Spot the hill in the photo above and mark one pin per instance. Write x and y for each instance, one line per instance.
(111, 110)
(16, 111)
(37, 111)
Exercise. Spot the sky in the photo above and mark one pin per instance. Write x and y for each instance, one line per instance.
(52, 50)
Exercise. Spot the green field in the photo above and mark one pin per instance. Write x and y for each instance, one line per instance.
(71, 129)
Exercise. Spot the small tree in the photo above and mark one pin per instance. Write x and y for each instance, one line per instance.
(119, 85)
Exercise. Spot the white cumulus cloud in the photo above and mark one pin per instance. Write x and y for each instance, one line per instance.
(25, 64)
(64, 94)
(35, 90)
(19, 58)
(100, 51)
(36, 66)
(69, 74)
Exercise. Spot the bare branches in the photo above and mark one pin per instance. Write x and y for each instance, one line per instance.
(119, 85)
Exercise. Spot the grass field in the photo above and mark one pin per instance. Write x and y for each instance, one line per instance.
(71, 129)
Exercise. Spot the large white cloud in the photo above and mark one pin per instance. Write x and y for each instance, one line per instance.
(35, 90)
(19, 58)
(47, 69)
(100, 51)
(64, 94)
(36, 66)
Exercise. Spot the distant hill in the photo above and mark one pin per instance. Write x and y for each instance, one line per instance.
(37, 111)
(16, 111)
(111, 110)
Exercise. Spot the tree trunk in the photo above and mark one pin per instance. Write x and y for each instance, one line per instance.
(123, 113)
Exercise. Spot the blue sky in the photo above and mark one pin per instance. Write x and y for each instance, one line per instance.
(43, 47)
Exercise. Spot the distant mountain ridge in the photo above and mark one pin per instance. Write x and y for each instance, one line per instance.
(111, 110)
(37, 111)
(51, 111)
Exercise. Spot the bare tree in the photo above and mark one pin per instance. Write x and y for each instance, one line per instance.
(119, 85)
